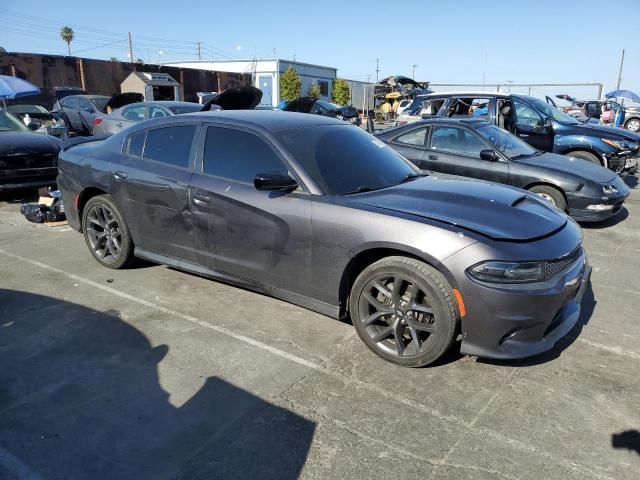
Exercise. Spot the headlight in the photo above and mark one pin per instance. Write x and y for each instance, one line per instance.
(609, 189)
(615, 143)
(508, 272)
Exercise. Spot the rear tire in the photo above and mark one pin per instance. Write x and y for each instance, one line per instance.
(588, 156)
(551, 195)
(106, 233)
(404, 311)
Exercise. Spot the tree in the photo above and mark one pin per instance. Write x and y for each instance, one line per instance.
(140, 61)
(290, 84)
(314, 90)
(66, 33)
(340, 92)
(113, 59)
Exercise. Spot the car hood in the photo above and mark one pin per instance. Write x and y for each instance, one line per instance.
(612, 133)
(496, 211)
(27, 143)
(237, 98)
(570, 165)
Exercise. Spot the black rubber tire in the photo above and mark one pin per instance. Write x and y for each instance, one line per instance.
(126, 243)
(441, 297)
(588, 156)
(555, 194)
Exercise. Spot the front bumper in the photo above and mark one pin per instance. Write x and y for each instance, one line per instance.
(525, 320)
(27, 178)
(579, 203)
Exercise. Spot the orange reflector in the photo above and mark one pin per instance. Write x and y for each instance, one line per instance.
(75, 200)
(461, 307)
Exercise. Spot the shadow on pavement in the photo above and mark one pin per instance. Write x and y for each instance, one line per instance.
(80, 398)
(631, 181)
(587, 307)
(629, 439)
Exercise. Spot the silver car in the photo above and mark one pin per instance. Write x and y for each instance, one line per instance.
(134, 113)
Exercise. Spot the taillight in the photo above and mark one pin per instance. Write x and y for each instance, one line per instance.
(97, 121)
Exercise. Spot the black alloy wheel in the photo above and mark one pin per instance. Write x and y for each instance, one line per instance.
(105, 232)
(404, 311)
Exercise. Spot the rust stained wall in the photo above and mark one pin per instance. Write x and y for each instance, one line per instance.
(104, 77)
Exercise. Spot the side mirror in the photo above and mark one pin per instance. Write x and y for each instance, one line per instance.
(548, 123)
(488, 155)
(274, 181)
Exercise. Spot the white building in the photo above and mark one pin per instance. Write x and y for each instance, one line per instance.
(266, 74)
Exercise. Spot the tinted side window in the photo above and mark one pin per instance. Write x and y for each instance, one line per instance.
(525, 115)
(170, 145)
(85, 104)
(238, 155)
(136, 144)
(457, 141)
(414, 138)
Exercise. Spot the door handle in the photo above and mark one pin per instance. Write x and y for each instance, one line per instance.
(120, 175)
(201, 199)
(119, 124)
(433, 157)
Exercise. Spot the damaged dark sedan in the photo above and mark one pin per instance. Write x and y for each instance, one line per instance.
(27, 159)
(477, 149)
(315, 212)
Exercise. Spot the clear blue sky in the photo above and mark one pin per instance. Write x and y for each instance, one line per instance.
(526, 41)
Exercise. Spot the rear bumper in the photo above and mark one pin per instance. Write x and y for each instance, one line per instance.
(522, 322)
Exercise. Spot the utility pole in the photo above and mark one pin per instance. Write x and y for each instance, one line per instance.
(133, 60)
(377, 69)
(620, 72)
(199, 55)
(413, 74)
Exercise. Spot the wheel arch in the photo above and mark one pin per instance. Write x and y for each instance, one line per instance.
(592, 151)
(371, 254)
(84, 196)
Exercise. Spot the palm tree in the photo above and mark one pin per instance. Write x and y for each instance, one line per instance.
(66, 33)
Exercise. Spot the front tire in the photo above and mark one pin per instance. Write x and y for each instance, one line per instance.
(106, 233)
(551, 195)
(404, 311)
(633, 125)
(588, 156)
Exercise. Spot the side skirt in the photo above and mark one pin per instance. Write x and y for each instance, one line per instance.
(290, 297)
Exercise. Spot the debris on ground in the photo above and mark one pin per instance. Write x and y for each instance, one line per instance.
(49, 208)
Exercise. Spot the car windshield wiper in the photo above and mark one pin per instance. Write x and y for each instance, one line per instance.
(527, 155)
(412, 176)
(362, 189)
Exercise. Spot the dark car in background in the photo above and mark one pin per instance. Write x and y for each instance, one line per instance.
(326, 109)
(478, 149)
(131, 114)
(539, 124)
(318, 213)
(39, 119)
(27, 159)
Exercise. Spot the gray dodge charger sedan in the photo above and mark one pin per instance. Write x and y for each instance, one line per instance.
(318, 213)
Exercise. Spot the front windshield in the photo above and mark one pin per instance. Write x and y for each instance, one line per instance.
(553, 112)
(22, 109)
(507, 143)
(343, 159)
(180, 109)
(9, 122)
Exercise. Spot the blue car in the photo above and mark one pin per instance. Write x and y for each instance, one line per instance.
(541, 125)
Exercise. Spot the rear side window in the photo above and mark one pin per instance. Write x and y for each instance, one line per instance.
(136, 144)
(457, 141)
(415, 138)
(135, 114)
(70, 102)
(238, 155)
(170, 145)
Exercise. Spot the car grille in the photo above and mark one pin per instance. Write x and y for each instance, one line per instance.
(56, 131)
(554, 267)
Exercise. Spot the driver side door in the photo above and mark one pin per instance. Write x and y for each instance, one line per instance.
(261, 236)
(529, 126)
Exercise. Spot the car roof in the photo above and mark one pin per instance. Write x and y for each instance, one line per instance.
(270, 120)
(166, 103)
(469, 122)
(463, 94)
